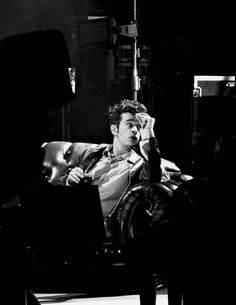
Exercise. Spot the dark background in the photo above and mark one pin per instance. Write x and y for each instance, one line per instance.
(184, 40)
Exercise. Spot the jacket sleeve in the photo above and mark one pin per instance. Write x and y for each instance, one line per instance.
(151, 170)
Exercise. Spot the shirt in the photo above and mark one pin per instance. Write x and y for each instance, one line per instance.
(111, 175)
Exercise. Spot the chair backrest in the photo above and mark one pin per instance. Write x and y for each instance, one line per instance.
(59, 156)
(54, 160)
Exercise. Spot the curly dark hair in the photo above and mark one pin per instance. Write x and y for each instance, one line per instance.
(125, 105)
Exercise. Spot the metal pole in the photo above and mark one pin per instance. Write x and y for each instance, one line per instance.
(135, 10)
(135, 78)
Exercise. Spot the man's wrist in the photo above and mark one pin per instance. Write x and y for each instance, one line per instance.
(152, 138)
(147, 134)
(143, 140)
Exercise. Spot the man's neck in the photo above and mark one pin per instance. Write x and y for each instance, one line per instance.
(119, 149)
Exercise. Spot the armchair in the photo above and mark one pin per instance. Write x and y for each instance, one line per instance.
(123, 260)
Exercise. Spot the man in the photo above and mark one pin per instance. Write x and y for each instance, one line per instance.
(132, 157)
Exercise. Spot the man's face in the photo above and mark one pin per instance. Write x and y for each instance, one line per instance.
(128, 131)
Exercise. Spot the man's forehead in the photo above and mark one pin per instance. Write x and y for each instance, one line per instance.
(127, 116)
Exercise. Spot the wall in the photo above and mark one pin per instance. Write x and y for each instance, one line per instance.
(22, 16)
(84, 118)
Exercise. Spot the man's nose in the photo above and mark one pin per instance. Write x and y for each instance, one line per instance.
(135, 129)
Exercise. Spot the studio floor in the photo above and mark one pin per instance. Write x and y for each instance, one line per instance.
(77, 299)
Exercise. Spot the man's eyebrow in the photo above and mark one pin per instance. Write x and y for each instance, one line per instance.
(131, 120)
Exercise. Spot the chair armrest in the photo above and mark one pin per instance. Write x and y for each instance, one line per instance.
(145, 205)
(142, 205)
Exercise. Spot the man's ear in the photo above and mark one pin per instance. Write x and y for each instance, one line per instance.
(114, 129)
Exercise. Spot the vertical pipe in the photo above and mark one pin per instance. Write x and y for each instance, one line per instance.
(134, 76)
(63, 122)
(135, 79)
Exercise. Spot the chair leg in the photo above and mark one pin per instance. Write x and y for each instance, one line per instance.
(174, 296)
(147, 291)
(30, 298)
(174, 291)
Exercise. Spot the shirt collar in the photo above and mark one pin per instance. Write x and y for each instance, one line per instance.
(133, 158)
(108, 152)
(130, 156)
